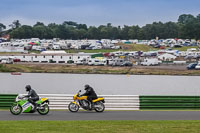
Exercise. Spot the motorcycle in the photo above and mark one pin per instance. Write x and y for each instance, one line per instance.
(81, 101)
(22, 104)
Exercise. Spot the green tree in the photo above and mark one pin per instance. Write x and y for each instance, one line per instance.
(93, 33)
(133, 32)
(2, 27)
(15, 24)
(124, 32)
(186, 18)
(23, 32)
(39, 24)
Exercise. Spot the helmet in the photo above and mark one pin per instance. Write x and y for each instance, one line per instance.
(28, 87)
(86, 86)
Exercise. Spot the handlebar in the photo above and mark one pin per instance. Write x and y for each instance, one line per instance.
(22, 97)
(79, 93)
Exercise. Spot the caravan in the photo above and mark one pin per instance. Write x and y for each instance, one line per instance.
(98, 61)
(6, 60)
(150, 62)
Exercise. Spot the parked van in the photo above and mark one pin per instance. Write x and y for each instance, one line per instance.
(81, 62)
(97, 62)
(118, 62)
(7, 60)
(150, 62)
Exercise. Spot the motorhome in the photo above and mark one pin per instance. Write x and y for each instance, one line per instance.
(150, 62)
(6, 60)
(97, 62)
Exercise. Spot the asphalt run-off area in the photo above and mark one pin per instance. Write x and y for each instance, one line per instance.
(106, 115)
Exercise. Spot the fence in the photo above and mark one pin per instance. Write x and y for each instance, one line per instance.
(169, 102)
(6, 100)
(61, 101)
(118, 102)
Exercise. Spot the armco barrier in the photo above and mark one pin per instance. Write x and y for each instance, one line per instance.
(61, 101)
(6, 100)
(112, 102)
(169, 102)
(118, 102)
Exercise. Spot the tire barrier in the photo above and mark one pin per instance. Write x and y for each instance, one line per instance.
(169, 102)
(6, 100)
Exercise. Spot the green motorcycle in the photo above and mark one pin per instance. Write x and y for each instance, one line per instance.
(22, 104)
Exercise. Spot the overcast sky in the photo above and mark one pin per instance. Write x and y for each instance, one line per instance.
(96, 12)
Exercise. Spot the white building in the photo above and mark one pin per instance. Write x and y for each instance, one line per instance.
(50, 58)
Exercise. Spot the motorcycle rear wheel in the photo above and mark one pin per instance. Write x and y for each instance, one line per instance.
(43, 110)
(100, 106)
(73, 107)
(16, 109)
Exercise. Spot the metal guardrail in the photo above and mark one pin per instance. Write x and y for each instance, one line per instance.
(118, 102)
(112, 102)
(6, 100)
(169, 102)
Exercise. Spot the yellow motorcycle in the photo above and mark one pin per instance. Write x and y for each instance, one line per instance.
(81, 101)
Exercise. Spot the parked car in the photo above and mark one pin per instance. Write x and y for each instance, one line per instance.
(191, 66)
(16, 60)
(127, 63)
(81, 62)
(197, 66)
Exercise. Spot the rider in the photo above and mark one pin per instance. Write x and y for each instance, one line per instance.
(90, 93)
(32, 96)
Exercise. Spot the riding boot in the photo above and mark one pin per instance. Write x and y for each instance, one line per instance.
(92, 105)
(35, 106)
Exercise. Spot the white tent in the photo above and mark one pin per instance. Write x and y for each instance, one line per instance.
(167, 57)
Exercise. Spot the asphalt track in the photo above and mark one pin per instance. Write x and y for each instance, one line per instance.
(107, 115)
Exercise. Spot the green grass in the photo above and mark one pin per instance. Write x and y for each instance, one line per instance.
(2, 53)
(3, 68)
(125, 47)
(100, 126)
(184, 48)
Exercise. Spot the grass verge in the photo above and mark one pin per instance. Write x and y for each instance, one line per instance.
(55, 68)
(100, 126)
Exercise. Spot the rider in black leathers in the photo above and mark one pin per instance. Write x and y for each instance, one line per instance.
(32, 96)
(90, 93)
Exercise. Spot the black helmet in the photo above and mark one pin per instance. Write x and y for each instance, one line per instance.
(86, 86)
(28, 87)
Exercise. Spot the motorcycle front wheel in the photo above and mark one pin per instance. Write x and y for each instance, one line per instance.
(99, 106)
(16, 109)
(43, 110)
(73, 107)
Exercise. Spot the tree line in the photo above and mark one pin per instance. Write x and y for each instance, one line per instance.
(187, 27)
